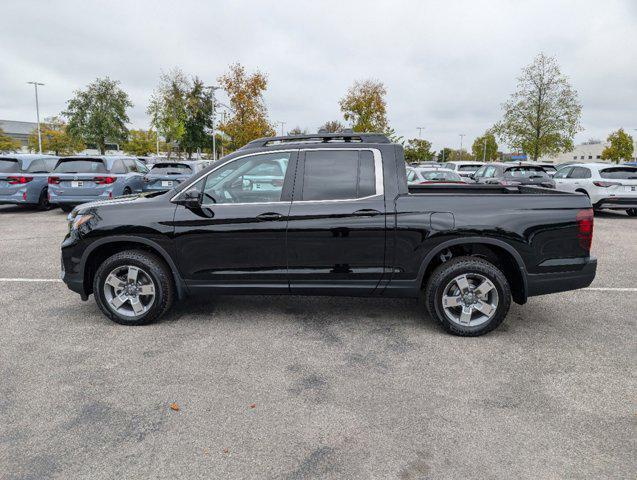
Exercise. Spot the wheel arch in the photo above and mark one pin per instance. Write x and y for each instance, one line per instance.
(101, 249)
(503, 255)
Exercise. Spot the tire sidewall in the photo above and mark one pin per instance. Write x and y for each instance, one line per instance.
(446, 273)
(152, 267)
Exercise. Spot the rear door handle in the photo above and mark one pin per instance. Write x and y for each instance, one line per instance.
(269, 217)
(366, 212)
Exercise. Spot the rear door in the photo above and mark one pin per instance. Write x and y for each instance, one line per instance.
(336, 227)
(562, 182)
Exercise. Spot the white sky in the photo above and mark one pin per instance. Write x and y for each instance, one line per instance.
(447, 65)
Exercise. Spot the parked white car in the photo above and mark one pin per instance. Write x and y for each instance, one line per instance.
(464, 169)
(608, 186)
(418, 175)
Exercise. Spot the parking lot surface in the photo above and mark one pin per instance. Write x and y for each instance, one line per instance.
(308, 387)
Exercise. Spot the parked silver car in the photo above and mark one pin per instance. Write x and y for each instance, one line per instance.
(23, 179)
(166, 175)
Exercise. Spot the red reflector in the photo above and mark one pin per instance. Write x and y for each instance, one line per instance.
(19, 180)
(104, 180)
(24, 196)
(585, 221)
(54, 180)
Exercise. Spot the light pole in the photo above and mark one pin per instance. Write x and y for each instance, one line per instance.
(460, 153)
(212, 89)
(420, 129)
(37, 113)
(484, 151)
(282, 125)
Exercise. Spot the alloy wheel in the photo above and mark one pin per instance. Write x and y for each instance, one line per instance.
(470, 299)
(129, 291)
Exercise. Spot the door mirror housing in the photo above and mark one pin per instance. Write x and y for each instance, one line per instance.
(190, 198)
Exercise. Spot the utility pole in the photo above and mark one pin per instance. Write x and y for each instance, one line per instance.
(420, 129)
(282, 124)
(484, 150)
(212, 89)
(460, 152)
(37, 113)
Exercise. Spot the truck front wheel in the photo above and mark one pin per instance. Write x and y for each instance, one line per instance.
(468, 296)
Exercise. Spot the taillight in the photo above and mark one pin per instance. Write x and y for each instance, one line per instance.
(605, 184)
(54, 180)
(19, 180)
(585, 220)
(104, 180)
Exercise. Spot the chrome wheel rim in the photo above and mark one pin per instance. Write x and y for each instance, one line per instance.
(470, 299)
(129, 291)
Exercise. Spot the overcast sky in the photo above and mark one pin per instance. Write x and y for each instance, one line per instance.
(447, 65)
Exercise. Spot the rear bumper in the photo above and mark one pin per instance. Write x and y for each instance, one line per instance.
(77, 199)
(620, 203)
(20, 197)
(543, 283)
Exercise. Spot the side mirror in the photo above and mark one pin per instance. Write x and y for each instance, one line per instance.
(189, 199)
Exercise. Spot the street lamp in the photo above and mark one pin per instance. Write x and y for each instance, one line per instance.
(37, 112)
(461, 137)
(212, 89)
(420, 129)
(282, 124)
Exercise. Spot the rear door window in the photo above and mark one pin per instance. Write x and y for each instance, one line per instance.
(562, 172)
(80, 166)
(338, 175)
(619, 173)
(580, 172)
(9, 165)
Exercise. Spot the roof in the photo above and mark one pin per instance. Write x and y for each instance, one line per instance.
(26, 156)
(343, 137)
(98, 157)
(11, 127)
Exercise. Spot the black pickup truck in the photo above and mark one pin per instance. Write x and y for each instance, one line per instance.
(329, 214)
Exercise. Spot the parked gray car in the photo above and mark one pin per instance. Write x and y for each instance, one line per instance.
(23, 179)
(166, 175)
(82, 179)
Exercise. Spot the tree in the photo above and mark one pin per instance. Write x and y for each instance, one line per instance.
(7, 143)
(364, 106)
(620, 147)
(478, 147)
(98, 115)
(55, 138)
(141, 142)
(453, 155)
(333, 126)
(444, 154)
(298, 131)
(543, 115)
(168, 106)
(418, 150)
(198, 123)
(249, 116)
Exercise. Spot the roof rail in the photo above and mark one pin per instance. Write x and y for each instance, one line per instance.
(346, 136)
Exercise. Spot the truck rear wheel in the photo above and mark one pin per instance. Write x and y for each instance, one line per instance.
(468, 296)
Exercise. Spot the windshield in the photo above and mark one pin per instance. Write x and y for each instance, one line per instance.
(80, 166)
(171, 169)
(619, 173)
(440, 176)
(468, 168)
(9, 165)
(525, 172)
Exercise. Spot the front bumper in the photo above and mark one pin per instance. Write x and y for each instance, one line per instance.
(543, 283)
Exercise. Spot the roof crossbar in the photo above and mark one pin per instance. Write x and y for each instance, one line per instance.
(320, 137)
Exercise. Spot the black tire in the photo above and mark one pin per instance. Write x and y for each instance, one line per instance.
(66, 208)
(126, 191)
(444, 274)
(632, 212)
(154, 267)
(43, 202)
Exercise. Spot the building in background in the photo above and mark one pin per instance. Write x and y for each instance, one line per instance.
(18, 131)
(586, 152)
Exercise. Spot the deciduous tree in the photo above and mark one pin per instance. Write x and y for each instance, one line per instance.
(97, 115)
(8, 144)
(168, 107)
(478, 148)
(543, 115)
(198, 124)
(364, 106)
(298, 131)
(248, 119)
(55, 138)
(333, 126)
(141, 142)
(418, 150)
(620, 146)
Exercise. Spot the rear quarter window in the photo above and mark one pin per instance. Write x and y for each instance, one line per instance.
(619, 173)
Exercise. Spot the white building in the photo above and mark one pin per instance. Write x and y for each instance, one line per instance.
(585, 152)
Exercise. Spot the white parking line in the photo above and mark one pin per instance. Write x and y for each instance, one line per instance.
(57, 280)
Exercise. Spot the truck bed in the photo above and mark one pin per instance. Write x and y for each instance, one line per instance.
(481, 188)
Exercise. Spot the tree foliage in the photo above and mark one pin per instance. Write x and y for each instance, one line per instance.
(168, 106)
(364, 106)
(418, 150)
(141, 142)
(8, 144)
(543, 115)
(444, 154)
(333, 126)
(248, 119)
(456, 155)
(55, 138)
(298, 131)
(478, 147)
(620, 146)
(97, 115)
(198, 125)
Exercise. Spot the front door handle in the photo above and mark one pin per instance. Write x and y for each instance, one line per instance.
(366, 212)
(269, 217)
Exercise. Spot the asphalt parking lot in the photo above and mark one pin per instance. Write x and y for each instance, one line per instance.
(296, 388)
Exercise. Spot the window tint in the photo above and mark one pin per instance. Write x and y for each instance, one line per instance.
(80, 166)
(8, 165)
(171, 169)
(525, 172)
(619, 173)
(247, 180)
(37, 166)
(141, 166)
(489, 171)
(562, 172)
(338, 175)
(480, 172)
(131, 166)
(411, 175)
(580, 172)
(440, 175)
(118, 167)
(468, 168)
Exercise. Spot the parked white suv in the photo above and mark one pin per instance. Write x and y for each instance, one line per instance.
(608, 186)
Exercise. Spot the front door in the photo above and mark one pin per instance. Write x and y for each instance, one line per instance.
(236, 239)
(336, 227)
